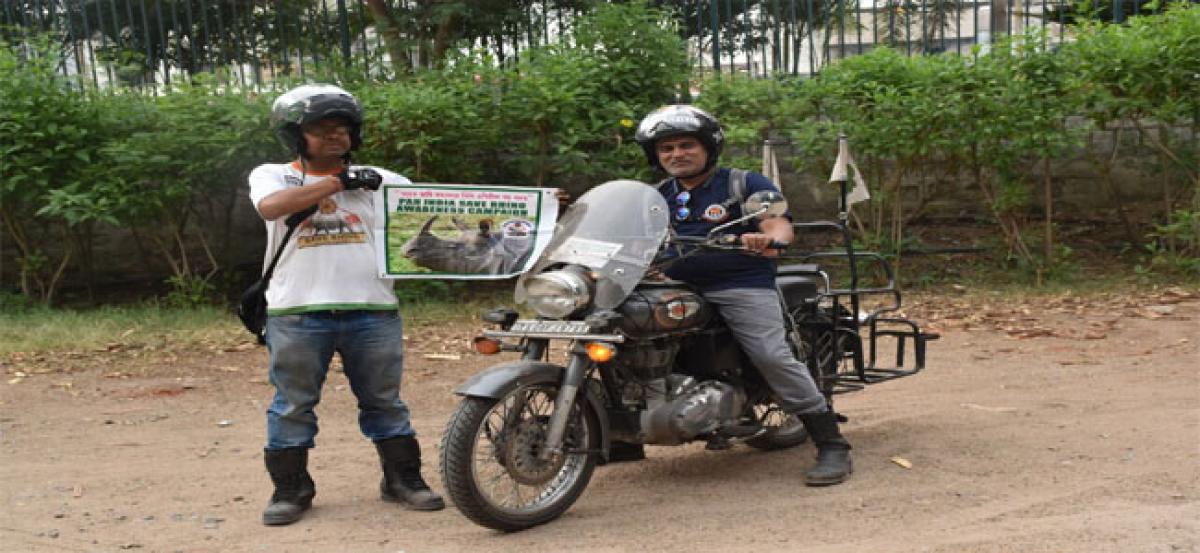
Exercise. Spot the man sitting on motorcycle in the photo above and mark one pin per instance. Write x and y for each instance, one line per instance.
(685, 142)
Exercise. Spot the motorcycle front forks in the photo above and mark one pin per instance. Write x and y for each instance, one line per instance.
(572, 379)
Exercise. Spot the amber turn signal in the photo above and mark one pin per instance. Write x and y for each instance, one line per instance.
(486, 346)
(601, 352)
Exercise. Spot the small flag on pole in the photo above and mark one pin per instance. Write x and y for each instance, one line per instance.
(843, 168)
(771, 164)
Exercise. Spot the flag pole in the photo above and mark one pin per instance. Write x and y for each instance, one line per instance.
(841, 175)
(843, 206)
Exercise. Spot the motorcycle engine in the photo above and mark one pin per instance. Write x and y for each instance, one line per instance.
(644, 360)
(678, 409)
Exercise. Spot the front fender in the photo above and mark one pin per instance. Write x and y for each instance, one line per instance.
(498, 380)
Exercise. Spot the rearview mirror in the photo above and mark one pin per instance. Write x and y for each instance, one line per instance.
(765, 204)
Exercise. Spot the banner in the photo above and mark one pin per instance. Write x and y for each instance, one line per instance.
(461, 231)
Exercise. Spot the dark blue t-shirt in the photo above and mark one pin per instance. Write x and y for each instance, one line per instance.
(711, 271)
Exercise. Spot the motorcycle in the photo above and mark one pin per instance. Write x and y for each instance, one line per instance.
(648, 361)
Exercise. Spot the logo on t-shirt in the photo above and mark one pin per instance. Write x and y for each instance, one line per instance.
(331, 225)
(715, 213)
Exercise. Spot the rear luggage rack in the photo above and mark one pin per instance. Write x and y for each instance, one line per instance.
(880, 329)
(846, 366)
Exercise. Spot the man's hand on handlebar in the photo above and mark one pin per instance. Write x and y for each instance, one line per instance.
(654, 274)
(761, 243)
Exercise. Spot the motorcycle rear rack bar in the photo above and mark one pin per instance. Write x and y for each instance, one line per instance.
(861, 374)
(855, 372)
(902, 336)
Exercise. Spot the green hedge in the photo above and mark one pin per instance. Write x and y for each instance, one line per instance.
(999, 121)
(562, 116)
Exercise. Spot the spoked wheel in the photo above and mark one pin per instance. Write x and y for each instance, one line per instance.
(491, 465)
(782, 430)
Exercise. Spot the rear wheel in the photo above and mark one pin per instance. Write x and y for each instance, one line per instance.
(818, 349)
(490, 458)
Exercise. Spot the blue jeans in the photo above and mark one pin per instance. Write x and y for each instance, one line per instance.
(301, 347)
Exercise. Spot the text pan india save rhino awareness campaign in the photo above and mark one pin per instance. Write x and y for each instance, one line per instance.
(461, 231)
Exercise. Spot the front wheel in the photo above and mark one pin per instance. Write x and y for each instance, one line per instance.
(490, 463)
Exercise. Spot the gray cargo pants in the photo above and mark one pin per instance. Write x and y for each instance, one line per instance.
(756, 320)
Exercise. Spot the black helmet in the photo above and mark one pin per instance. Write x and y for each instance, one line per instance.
(310, 103)
(678, 120)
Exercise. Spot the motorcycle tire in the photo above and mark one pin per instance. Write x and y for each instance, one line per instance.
(489, 451)
(819, 349)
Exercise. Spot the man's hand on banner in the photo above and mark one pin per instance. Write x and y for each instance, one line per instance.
(354, 178)
(564, 200)
(563, 197)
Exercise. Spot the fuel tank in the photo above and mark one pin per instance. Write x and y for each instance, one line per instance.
(653, 310)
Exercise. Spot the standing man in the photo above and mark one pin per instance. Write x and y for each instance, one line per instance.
(685, 142)
(325, 297)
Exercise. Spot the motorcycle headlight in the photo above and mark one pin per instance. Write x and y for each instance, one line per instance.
(557, 294)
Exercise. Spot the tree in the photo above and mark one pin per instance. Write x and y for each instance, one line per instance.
(419, 33)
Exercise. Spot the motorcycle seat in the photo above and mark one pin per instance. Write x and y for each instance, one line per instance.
(798, 269)
(799, 282)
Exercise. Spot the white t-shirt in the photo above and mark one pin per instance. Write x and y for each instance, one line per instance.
(329, 262)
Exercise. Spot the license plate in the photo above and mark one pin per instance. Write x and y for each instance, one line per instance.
(530, 326)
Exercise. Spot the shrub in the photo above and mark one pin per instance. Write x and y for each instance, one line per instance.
(172, 174)
(50, 139)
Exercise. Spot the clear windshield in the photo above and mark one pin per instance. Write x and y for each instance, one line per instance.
(615, 230)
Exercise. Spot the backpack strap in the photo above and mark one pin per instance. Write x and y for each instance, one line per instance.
(737, 186)
(292, 221)
(662, 185)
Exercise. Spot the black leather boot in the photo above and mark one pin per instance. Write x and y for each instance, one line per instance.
(294, 489)
(402, 482)
(833, 451)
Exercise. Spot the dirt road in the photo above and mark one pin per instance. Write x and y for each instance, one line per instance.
(1054, 427)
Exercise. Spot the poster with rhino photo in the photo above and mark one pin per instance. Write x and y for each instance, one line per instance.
(460, 231)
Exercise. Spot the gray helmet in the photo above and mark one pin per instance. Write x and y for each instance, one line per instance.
(310, 103)
(676, 120)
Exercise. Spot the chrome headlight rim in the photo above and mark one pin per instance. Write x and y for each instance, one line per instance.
(558, 294)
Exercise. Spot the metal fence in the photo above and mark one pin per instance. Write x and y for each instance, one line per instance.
(150, 43)
(156, 42)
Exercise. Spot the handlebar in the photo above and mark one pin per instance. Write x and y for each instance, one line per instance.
(736, 240)
(723, 242)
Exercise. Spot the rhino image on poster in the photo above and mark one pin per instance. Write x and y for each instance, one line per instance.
(461, 231)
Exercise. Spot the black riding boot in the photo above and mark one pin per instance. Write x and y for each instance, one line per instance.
(402, 482)
(294, 489)
(833, 451)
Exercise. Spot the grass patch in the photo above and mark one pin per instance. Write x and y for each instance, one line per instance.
(36, 329)
(41, 329)
(152, 326)
(1080, 277)
(461, 310)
